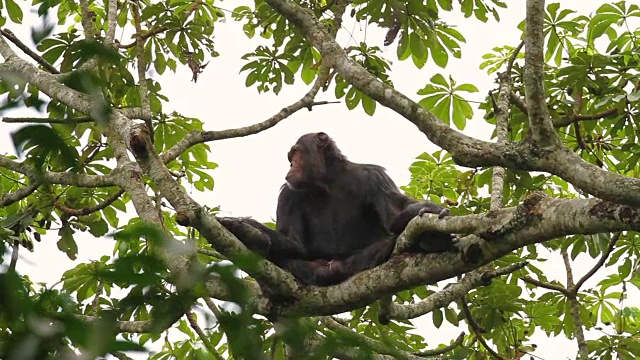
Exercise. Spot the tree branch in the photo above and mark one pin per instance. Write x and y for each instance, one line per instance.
(88, 210)
(548, 219)
(443, 350)
(450, 293)
(598, 265)
(465, 149)
(23, 192)
(584, 117)
(549, 286)
(87, 16)
(203, 337)
(63, 178)
(35, 120)
(141, 66)
(542, 133)
(112, 23)
(574, 306)
(367, 342)
(477, 330)
(197, 137)
(138, 327)
(145, 36)
(32, 54)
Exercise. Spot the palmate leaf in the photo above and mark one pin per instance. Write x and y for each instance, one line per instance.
(443, 101)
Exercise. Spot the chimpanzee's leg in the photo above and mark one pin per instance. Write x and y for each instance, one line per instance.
(263, 240)
(325, 273)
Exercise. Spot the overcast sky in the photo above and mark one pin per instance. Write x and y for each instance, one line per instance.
(251, 170)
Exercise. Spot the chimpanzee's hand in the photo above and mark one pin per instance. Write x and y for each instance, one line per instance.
(443, 212)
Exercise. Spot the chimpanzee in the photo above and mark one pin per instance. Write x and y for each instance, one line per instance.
(335, 218)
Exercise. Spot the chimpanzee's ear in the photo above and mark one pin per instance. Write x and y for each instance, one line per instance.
(323, 139)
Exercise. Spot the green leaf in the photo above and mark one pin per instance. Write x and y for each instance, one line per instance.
(403, 51)
(437, 318)
(418, 49)
(66, 243)
(15, 13)
(369, 105)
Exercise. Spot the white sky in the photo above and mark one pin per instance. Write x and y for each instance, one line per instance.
(252, 169)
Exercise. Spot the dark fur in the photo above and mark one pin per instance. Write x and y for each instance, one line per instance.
(336, 218)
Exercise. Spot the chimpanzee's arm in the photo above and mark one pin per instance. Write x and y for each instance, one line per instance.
(394, 209)
(414, 209)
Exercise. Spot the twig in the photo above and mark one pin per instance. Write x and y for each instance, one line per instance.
(212, 306)
(439, 351)
(375, 345)
(88, 210)
(198, 137)
(39, 59)
(584, 117)
(95, 305)
(205, 340)
(14, 255)
(477, 330)
(519, 103)
(549, 286)
(35, 120)
(598, 265)
(120, 355)
(513, 57)
(144, 36)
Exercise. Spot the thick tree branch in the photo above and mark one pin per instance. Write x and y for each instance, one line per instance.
(140, 145)
(542, 133)
(87, 16)
(591, 179)
(465, 149)
(550, 218)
